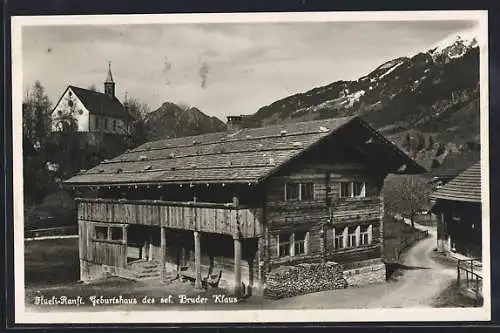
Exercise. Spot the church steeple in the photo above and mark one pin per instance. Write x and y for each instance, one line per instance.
(109, 84)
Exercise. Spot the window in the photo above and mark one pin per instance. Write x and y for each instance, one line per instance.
(114, 125)
(292, 191)
(307, 191)
(365, 235)
(284, 245)
(97, 123)
(292, 244)
(358, 189)
(352, 189)
(101, 232)
(351, 237)
(345, 189)
(105, 123)
(70, 103)
(116, 233)
(339, 238)
(299, 191)
(300, 243)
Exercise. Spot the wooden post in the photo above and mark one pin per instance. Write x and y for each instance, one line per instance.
(163, 254)
(150, 254)
(250, 276)
(144, 249)
(261, 273)
(237, 265)
(124, 240)
(197, 260)
(82, 235)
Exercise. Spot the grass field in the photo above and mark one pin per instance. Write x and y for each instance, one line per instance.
(49, 262)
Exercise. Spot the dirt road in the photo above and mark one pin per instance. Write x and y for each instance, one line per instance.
(421, 283)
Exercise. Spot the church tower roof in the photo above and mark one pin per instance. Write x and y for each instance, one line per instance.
(109, 77)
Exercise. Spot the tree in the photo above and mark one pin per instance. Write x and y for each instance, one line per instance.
(136, 129)
(37, 110)
(64, 146)
(406, 195)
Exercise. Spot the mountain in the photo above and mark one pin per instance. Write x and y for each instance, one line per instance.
(431, 98)
(170, 120)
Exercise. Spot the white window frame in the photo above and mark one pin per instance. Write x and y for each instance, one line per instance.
(341, 236)
(351, 189)
(301, 187)
(369, 235)
(291, 244)
(350, 243)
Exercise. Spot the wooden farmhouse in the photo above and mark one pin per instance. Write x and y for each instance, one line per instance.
(458, 206)
(237, 205)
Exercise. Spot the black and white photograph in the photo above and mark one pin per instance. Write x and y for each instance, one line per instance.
(181, 168)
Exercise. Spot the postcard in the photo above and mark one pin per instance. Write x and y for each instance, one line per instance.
(251, 167)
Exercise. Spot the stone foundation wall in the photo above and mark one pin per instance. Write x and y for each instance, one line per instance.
(373, 272)
(288, 281)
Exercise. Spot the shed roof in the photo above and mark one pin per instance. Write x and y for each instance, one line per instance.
(248, 155)
(465, 187)
(100, 103)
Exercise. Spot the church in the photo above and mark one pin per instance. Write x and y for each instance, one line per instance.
(91, 111)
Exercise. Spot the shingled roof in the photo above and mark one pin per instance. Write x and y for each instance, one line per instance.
(248, 155)
(100, 103)
(465, 187)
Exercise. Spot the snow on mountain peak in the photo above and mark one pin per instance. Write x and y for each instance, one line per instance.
(455, 46)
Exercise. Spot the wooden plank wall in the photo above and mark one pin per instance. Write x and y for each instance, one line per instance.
(327, 209)
(214, 219)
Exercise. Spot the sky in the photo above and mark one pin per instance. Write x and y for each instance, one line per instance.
(221, 68)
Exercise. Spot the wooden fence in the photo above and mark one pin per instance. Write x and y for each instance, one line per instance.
(51, 232)
(408, 241)
(468, 273)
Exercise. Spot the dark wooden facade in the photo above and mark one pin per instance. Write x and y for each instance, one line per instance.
(323, 203)
(458, 207)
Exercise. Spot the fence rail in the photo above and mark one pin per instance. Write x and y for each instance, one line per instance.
(51, 232)
(408, 241)
(468, 271)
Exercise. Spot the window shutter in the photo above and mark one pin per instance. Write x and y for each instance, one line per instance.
(370, 234)
(306, 242)
(358, 235)
(333, 238)
(344, 238)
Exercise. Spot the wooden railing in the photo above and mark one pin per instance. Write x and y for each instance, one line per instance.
(201, 216)
(468, 270)
(106, 252)
(48, 232)
(408, 241)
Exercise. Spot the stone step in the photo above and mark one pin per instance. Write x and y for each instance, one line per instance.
(146, 275)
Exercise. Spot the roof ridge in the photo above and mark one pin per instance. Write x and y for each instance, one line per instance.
(243, 129)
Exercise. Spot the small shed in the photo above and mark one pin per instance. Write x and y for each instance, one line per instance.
(458, 206)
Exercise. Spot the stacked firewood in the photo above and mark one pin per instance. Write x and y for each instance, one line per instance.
(288, 281)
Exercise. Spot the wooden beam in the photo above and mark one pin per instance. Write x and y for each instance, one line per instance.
(250, 275)
(237, 265)
(197, 260)
(163, 254)
(150, 254)
(125, 241)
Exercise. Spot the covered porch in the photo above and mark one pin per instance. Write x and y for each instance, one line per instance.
(198, 241)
